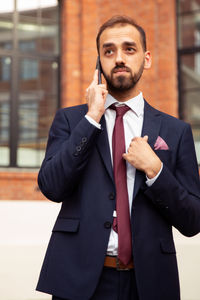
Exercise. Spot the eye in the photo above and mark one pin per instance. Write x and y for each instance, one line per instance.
(130, 50)
(108, 52)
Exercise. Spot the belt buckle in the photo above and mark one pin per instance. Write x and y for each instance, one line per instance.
(119, 264)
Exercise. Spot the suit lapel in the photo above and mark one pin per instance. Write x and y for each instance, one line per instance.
(151, 127)
(103, 148)
(103, 144)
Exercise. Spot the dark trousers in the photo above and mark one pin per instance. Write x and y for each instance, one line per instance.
(114, 285)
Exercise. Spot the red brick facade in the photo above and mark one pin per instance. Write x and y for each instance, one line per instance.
(19, 185)
(80, 20)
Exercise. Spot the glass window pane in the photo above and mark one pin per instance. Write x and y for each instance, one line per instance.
(37, 104)
(5, 74)
(189, 28)
(189, 42)
(196, 134)
(188, 6)
(49, 23)
(190, 105)
(28, 31)
(38, 26)
(190, 71)
(190, 91)
(29, 69)
(23, 5)
(6, 24)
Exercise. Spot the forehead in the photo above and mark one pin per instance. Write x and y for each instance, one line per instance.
(120, 34)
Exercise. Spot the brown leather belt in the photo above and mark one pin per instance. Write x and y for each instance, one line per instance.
(114, 262)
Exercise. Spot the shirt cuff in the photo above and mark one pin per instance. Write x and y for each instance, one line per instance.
(93, 122)
(149, 182)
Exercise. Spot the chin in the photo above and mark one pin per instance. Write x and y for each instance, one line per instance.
(123, 81)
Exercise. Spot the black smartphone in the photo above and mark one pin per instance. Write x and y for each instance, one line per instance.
(98, 67)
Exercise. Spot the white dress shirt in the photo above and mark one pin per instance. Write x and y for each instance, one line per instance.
(133, 122)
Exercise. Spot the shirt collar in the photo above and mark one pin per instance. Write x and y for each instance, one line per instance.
(136, 104)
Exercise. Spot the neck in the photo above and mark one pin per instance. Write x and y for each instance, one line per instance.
(123, 96)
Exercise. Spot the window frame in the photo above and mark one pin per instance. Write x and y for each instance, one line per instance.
(182, 51)
(16, 56)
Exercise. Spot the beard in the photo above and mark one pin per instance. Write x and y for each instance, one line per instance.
(122, 83)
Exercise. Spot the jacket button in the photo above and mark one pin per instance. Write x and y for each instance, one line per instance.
(84, 139)
(78, 148)
(107, 225)
(111, 196)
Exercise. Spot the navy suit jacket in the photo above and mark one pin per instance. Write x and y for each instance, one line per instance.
(77, 171)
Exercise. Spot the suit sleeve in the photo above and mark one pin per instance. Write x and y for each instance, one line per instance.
(177, 194)
(67, 154)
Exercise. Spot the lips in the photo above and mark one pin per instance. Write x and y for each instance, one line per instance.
(120, 70)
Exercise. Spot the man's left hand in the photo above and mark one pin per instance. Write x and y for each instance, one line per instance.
(142, 157)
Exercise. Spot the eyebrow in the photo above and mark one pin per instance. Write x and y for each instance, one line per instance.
(130, 44)
(107, 45)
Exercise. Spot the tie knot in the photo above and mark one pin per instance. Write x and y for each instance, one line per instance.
(120, 110)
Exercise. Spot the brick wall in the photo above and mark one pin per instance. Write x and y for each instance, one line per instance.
(80, 20)
(19, 185)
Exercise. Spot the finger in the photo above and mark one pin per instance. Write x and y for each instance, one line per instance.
(145, 138)
(95, 77)
(104, 93)
(124, 156)
(102, 86)
(135, 138)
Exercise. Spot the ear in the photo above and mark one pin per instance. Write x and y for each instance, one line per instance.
(147, 60)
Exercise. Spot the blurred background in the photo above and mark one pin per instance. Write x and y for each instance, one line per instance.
(47, 59)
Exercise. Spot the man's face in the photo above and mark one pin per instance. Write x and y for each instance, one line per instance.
(122, 57)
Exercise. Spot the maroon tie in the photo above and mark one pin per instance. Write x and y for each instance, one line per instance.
(122, 223)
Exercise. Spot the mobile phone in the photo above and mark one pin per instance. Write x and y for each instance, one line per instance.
(98, 67)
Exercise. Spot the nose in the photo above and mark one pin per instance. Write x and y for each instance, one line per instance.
(120, 58)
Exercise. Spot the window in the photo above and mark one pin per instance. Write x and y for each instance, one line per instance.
(189, 65)
(5, 95)
(29, 71)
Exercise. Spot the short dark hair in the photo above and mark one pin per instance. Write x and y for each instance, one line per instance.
(122, 20)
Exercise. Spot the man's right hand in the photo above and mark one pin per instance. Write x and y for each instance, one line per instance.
(96, 97)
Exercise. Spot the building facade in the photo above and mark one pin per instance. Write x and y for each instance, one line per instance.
(47, 59)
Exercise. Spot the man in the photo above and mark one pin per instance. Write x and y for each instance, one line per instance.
(125, 174)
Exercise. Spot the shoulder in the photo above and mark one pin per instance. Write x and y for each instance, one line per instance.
(71, 114)
(168, 120)
(78, 110)
(68, 117)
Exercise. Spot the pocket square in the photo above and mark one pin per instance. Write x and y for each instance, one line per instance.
(160, 144)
